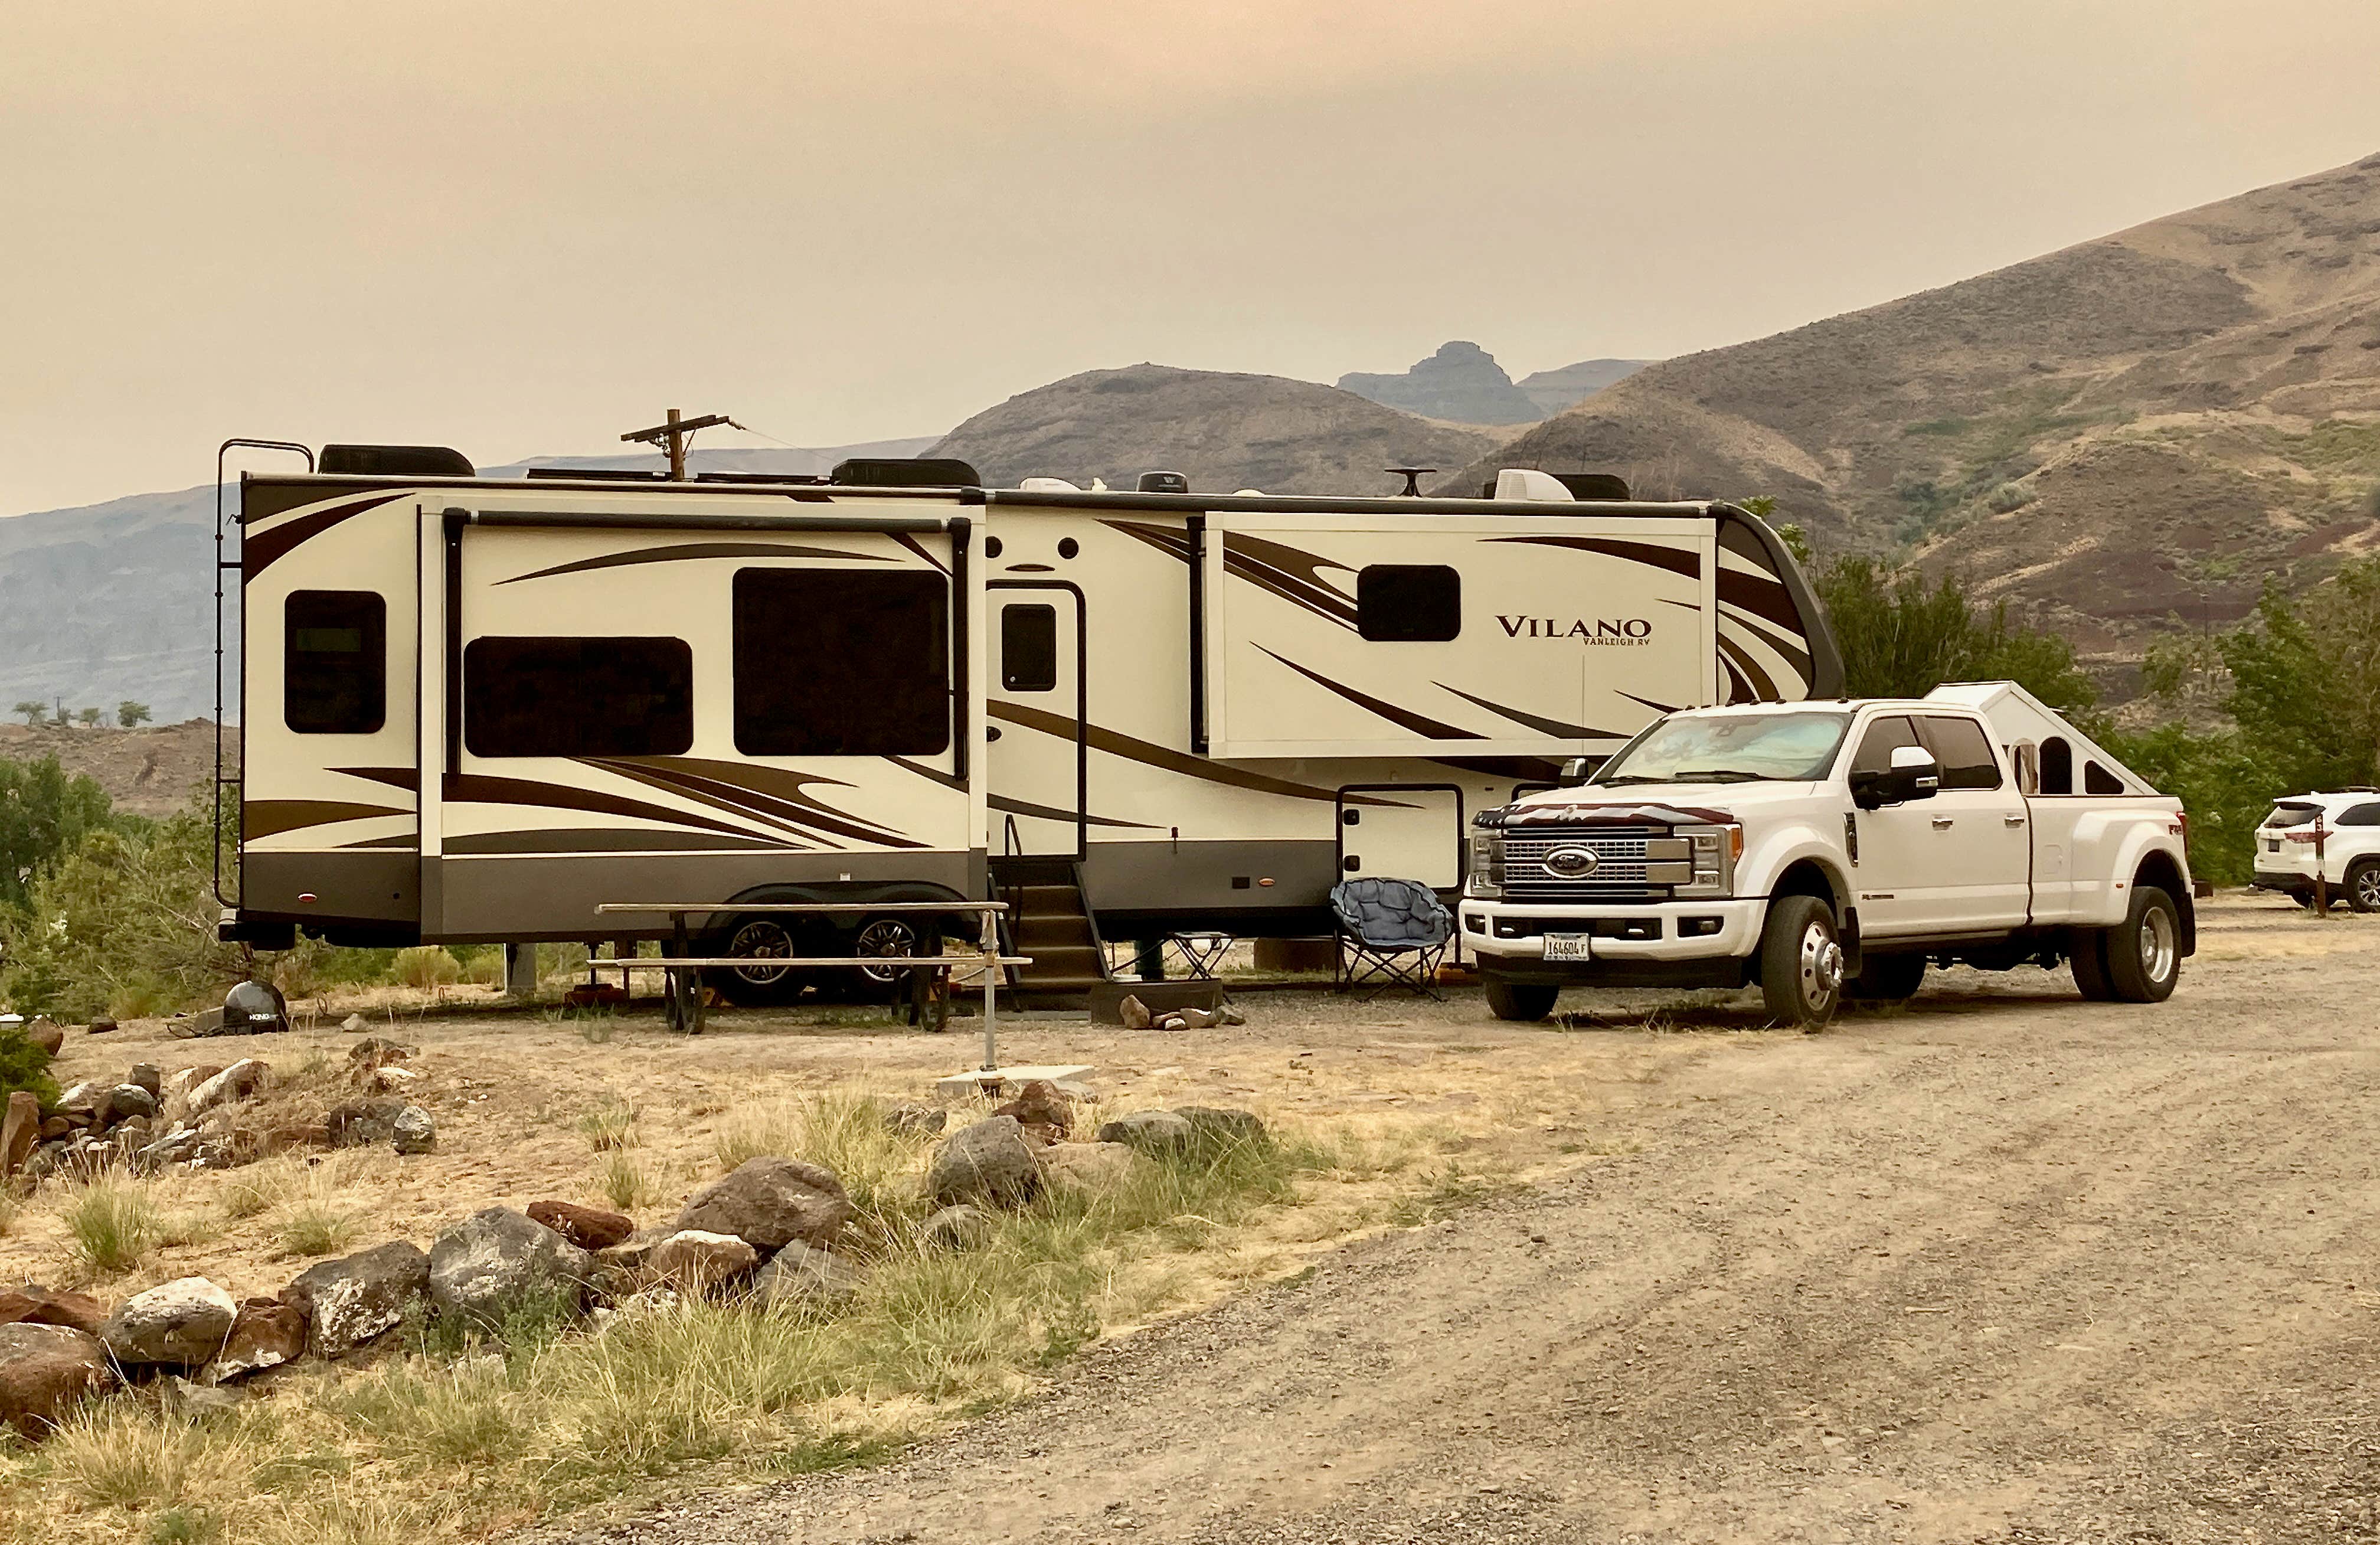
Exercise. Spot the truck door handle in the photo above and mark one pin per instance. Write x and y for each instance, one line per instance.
(1942, 824)
(2013, 819)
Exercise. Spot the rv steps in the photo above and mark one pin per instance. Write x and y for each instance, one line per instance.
(1052, 922)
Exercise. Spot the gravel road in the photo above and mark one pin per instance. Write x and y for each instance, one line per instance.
(2005, 1267)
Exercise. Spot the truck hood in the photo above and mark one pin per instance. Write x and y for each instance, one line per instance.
(1652, 804)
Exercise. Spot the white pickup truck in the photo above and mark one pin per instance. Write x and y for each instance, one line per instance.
(1831, 848)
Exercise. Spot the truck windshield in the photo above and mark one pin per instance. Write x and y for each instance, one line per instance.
(1730, 748)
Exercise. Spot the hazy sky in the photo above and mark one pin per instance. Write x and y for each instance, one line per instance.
(520, 228)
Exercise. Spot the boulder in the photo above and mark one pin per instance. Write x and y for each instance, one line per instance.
(770, 1202)
(348, 1301)
(414, 1131)
(1135, 1014)
(148, 1077)
(1170, 1021)
(987, 1162)
(238, 1081)
(45, 1371)
(180, 1145)
(81, 1102)
(58, 1126)
(632, 1253)
(1221, 1126)
(375, 1051)
(698, 1262)
(355, 1024)
(1089, 1166)
(123, 1102)
(962, 1227)
(915, 1120)
(361, 1123)
(38, 1306)
(181, 1323)
(1197, 1018)
(590, 1228)
(266, 1332)
(1151, 1132)
(1038, 1103)
(20, 1130)
(497, 1257)
(101, 1026)
(47, 1036)
(798, 1276)
(189, 1079)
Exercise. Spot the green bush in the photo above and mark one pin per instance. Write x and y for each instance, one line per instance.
(44, 814)
(24, 1065)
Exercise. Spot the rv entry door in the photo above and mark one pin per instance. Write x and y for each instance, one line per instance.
(1402, 831)
(1040, 759)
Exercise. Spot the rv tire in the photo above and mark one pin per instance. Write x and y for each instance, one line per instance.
(760, 987)
(1526, 1001)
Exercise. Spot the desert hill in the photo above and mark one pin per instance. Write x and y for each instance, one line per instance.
(1223, 431)
(1463, 384)
(2133, 428)
(153, 770)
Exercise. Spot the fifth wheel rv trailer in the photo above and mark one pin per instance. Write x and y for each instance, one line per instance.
(476, 709)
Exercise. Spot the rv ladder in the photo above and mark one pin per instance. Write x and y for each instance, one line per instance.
(1052, 922)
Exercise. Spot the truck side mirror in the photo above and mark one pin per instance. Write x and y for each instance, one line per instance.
(1914, 774)
(1575, 772)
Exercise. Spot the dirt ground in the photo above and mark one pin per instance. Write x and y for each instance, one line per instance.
(2002, 1267)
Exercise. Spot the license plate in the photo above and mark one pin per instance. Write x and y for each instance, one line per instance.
(1569, 946)
(2272, 845)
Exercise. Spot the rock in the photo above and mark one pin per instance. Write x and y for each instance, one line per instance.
(148, 1077)
(45, 1371)
(697, 1260)
(1230, 1015)
(181, 1323)
(1150, 1132)
(987, 1162)
(620, 1269)
(497, 1257)
(590, 1228)
(962, 1227)
(1219, 1127)
(1173, 1021)
(1134, 1013)
(58, 1126)
(199, 1402)
(101, 1026)
(20, 1130)
(1197, 1018)
(414, 1131)
(386, 1080)
(915, 1120)
(47, 1036)
(238, 1081)
(124, 1101)
(769, 1203)
(180, 1146)
(1038, 1103)
(355, 1024)
(82, 1101)
(348, 1301)
(266, 1332)
(361, 1123)
(798, 1276)
(1089, 1166)
(189, 1079)
(378, 1051)
(38, 1306)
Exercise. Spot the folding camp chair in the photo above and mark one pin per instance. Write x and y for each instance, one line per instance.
(1391, 933)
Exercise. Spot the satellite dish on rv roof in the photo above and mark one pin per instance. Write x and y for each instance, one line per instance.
(1162, 482)
(1528, 482)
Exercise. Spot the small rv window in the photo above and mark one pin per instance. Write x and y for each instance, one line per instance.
(2057, 766)
(836, 663)
(1028, 647)
(1408, 603)
(1964, 752)
(334, 662)
(2098, 780)
(595, 696)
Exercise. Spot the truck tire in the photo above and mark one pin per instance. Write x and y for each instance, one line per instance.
(1526, 1001)
(2363, 884)
(1887, 978)
(2087, 954)
(2145, 950)
(1801, 962)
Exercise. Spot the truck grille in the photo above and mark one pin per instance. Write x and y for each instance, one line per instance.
(1628, 866)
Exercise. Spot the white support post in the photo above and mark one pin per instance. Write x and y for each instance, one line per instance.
(990, 943)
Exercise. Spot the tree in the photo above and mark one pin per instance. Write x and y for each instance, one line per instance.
(44, 814)
(89, 718)
(1901, 637)
(131, 714)
(30, 711)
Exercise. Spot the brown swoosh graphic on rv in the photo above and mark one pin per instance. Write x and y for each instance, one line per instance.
(1741, 658)
(611, 839)
(1798, 658)
(1006, 806)
(395, 777)
(683, 552)
(1149, 754)
(775, 795)
(258, 553)
(471, 788)
(1167, 540)
(1674, 560)
(1404, 718)
(1542, 724)
(1289, 573)
(270, 818)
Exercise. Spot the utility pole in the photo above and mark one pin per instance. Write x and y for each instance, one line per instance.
(673, 437)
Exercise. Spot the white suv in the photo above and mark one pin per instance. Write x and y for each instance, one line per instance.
(2349, 824)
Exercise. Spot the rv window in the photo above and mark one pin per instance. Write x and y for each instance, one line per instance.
(334, 662)
(2057, 766)
(1408, 603)
(597, 697)
(1028, 647)
(1964, 752)
(836, 663)
(2098, 780)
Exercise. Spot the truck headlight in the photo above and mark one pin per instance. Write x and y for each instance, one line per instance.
(1486, 880)
(1712, 851)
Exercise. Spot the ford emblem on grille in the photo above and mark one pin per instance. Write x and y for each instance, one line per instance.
(1572, 863)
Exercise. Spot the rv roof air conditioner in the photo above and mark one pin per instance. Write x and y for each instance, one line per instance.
(394, 461)
(1046, 485)
(1528, 482)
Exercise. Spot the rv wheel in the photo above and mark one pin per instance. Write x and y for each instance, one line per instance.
(757, 986)
(884, 936)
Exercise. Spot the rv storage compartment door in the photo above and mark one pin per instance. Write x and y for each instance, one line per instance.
(681, 714)
(1475, 635)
